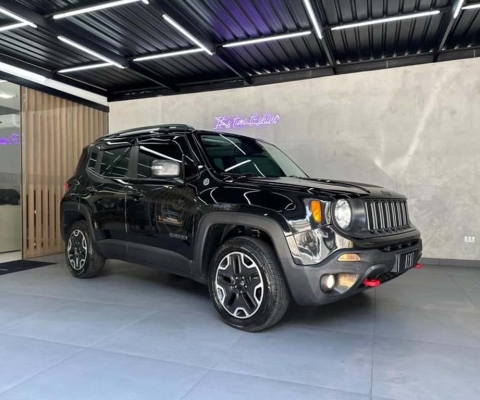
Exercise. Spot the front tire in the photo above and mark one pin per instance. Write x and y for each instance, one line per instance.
(83, 260)
(247, 285)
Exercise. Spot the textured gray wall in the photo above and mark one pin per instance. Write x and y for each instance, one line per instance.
(411, 129)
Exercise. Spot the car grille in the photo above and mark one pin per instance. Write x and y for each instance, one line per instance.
(387, 215)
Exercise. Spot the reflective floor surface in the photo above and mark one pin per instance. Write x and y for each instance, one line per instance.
(133, 333)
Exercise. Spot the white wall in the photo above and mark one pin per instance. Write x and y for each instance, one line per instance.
(412, 129)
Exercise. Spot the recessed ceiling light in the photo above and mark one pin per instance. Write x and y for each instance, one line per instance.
(458, 8)
(84, 67)
(4, 95)
(187, 34)
(168, 54)
(22, 73)
(471, 6)
(267, 39)
(86, 50)
(384, 20)
(313, 18)
(17, 17)
(12, 26)
(98, 7)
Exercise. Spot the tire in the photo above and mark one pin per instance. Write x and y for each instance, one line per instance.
(85, 261)
(263, 304)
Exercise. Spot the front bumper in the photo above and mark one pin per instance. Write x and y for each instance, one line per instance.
(304, 281)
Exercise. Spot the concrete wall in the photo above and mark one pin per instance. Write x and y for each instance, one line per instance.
(412, 129)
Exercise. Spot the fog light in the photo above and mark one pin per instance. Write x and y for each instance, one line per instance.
(349, 257)
(328, 282)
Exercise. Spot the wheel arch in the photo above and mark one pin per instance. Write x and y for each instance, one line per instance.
(72, 212)
(221, 226)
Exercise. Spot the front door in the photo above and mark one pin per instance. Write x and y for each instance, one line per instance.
(161, 213)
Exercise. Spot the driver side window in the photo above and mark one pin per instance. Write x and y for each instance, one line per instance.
(172, 148)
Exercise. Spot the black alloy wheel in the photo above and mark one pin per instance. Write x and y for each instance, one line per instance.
(247, 285)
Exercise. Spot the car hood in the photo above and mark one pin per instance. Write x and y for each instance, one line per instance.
(325, 187)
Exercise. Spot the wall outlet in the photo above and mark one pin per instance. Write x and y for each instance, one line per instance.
(469, 239)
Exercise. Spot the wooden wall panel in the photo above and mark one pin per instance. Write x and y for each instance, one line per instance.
(54, 133)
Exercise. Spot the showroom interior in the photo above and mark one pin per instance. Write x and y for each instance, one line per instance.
(384, 92)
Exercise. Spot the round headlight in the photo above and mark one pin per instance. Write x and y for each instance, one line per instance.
(343, 213)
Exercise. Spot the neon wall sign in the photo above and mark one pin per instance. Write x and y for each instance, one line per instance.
(10, 140)
(239, 122)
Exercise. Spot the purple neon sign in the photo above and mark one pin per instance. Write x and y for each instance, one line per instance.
(10, 140)
(253, 121)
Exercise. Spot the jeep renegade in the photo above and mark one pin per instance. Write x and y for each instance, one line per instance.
(235, 213)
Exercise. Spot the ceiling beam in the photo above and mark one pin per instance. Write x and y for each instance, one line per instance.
(49, 75)
(451, 21)
(319, 12)
(167, 7)
(53, 29)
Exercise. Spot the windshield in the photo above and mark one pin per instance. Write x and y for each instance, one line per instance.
(246, 156)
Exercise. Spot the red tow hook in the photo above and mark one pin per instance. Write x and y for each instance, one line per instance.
(371, 282)
(418, 266)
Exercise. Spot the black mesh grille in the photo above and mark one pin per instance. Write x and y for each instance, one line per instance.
(387, 215)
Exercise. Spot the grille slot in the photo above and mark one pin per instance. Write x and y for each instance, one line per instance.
(384, 215)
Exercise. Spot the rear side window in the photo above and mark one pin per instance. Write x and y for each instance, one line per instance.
(92, 161)
(115, 162)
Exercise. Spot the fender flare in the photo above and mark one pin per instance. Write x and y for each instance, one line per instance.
(78, 208)
(271, 227)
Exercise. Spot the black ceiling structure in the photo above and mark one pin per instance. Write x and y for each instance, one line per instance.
(99, 45)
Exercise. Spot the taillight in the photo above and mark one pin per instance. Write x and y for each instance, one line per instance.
(67, 185)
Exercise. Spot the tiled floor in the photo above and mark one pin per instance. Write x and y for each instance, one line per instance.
(135, 334)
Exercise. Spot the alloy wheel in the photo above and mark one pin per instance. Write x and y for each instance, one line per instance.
(239, 285)
(77, 249)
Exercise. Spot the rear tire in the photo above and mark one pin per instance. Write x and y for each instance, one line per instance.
(246, 284)
(83, 260)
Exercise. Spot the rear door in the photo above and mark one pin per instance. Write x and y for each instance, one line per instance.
(161, 213)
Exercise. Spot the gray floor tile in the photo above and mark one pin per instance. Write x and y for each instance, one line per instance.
(422, 277)
(425, 296)
(223, 385)
(471, 284)
(417, 370)
(95, 374)
(187, 338)
(332, 360)
(439, 269)
(122, 283)
(473, 272)
(78, 323)
(474, 296)
(455, 328)
(353, 315)
(24, 281)
(22, 358)
(17, 307)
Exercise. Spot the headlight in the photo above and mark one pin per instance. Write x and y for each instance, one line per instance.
(343, 213)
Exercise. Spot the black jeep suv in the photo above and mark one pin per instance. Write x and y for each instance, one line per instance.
(236, 213)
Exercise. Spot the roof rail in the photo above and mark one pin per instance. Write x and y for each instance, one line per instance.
(150, 129)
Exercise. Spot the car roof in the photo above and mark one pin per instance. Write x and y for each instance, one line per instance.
(153, 129)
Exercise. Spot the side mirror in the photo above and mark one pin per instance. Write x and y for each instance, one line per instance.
(166, 169)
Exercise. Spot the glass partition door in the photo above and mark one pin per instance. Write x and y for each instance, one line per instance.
(10, 173)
